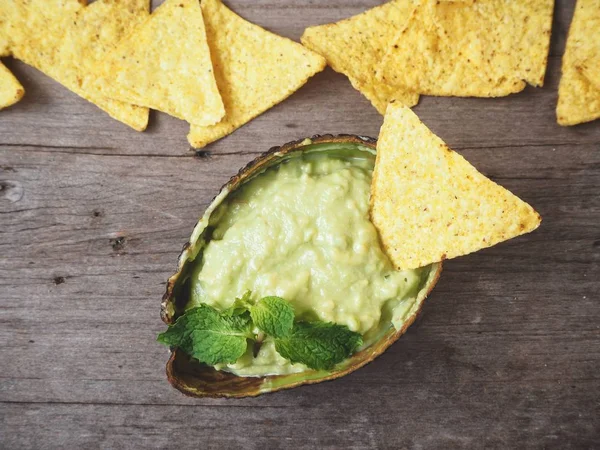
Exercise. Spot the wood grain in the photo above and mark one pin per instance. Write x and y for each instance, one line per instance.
(93, 216)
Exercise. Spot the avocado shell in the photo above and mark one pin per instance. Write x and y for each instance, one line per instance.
(199, 380)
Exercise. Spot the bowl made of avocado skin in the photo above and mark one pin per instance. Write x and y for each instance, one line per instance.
(196, 379)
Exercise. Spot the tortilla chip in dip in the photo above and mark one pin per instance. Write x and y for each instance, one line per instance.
(66, 40)
(488, 48)
(164, 64)
(255, 69)
(354, 47)
(11, 90)
(429, 204)
(579, 88)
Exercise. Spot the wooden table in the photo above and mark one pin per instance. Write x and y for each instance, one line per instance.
(93, 215)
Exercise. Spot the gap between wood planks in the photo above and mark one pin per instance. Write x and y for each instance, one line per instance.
(108, 151)
(158, 405)
(207, 154)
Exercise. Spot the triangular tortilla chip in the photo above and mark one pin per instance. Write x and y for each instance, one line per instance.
(355, 46)
(579, 88)
(255, 69)
(429, 204)
(165, 64)
(97, 30)
(64, 40)
(11, 90)
(488, 48)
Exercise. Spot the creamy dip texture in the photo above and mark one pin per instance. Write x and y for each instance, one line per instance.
(301, 231)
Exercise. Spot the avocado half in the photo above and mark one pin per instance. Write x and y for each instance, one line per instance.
(199, 380)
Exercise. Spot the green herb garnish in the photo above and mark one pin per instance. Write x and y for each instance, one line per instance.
(319, 345)
(240, 306)
(273, 316)
(214, 337)
(210, 336)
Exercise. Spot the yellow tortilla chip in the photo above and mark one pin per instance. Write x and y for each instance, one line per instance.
(590, 69)
(356, 45)
(579, 88)
(28, 21)
(95, 34)
(10, 17)
(11, 90)
(38, 31)
(165, 64)
(65, 40)
(255, 69)
(429, 204)
(488, 48)
(13, 18)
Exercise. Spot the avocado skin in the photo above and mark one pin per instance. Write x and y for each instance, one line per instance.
(195, 379)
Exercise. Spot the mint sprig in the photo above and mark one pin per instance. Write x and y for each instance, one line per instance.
(215, 337)
(273, 316)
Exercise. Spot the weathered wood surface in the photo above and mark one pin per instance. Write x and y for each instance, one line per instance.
(93, 215)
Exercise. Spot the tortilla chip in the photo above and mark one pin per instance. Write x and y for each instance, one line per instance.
(488, 48)
(65, 40)
(39, 29)
(355, 46)
(579, 88)
(11, 90)
(429, 204)
(14, 18)
(10, 17)
(28, 21)
(255, 69)
(590, 69)
(165, 64)
(97, 30)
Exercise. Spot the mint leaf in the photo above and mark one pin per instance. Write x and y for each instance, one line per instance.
(273, 316)
(215, 347)
(319, 345)
(209, 336)
(240, 305)
(178, 334)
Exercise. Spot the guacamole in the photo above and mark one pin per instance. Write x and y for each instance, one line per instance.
(301, 230)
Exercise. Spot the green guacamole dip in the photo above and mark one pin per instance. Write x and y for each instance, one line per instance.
(301, 230)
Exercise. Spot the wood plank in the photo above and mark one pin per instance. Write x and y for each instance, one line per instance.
(460, 340)
(93, 216)
(322, 422)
